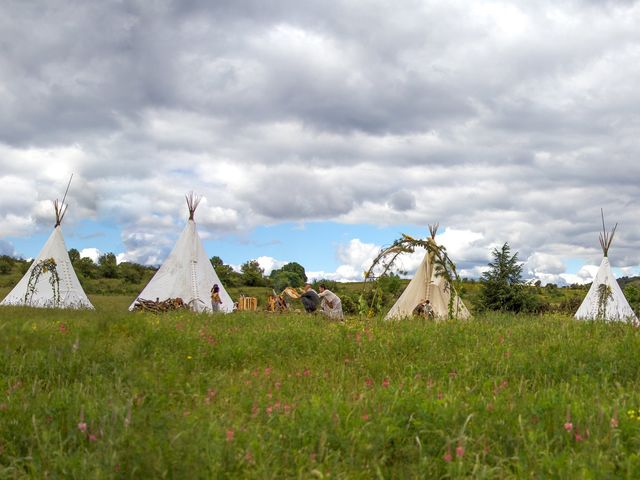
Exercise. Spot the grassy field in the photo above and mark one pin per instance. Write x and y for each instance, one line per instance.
(110, 394)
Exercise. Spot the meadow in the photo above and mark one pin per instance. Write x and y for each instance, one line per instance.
(113, 394)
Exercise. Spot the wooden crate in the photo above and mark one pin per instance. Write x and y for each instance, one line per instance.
(247, 303)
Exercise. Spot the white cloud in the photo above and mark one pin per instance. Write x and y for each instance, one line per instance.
(92, 253)
(502, 121)
(269, 264)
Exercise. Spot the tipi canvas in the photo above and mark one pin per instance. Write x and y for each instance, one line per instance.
(605, 300)
(187, 272)
(50, 281)
(426, 285)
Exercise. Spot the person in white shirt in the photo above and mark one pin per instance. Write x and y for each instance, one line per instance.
(331, 304)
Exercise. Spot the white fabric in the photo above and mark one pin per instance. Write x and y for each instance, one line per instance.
(425, 285)
(188, 274)
(617, 308)
(331, 305)
(71, 293)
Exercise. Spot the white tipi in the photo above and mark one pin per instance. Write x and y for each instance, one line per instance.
(427, 285)
(187, 272)
(605, 300)
(50, 281)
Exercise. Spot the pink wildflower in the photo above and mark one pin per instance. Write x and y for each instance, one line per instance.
(459, 451)
(614, 422)
(369, 382)
(578, 437)
(93, 438)
(63, 328)
(306, 372)
(267, 371)
(365, 417)
(568, 426)
(447, 457)
(82, 426)
(230, 435)
(385, 383)
(269, 410)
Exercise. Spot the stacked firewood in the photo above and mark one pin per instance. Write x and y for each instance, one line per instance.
(277, 303)
(159, 306)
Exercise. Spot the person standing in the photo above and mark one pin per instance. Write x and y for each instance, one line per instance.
(216, 301)
(331, 303)
(309, 298)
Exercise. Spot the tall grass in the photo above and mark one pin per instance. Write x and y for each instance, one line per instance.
(109, 394)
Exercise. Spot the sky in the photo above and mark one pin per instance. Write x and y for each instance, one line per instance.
(319, 131)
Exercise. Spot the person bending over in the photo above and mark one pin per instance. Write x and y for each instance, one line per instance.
(310, 298)
(331, 303)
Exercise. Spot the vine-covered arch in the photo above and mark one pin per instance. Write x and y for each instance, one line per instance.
(387, 259)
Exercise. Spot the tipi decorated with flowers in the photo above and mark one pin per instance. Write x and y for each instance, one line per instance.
(50, 281)
(605, 300)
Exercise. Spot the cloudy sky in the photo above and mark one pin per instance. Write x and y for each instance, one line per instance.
(318, 131)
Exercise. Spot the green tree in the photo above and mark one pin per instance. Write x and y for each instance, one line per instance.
(252, 274)
(6, 264)
(280, 279)
(108, 266)
(502, 285)
(295, 267)
(290, 275)
(227, 275)
(632, 293)
(86, 267)
(131, 272)
(390, 283)
(74, 255)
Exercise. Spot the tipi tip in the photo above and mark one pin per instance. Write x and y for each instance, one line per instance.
(193, 201)
(606, 237)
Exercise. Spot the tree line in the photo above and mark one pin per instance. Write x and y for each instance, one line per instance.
(500, 288)
(251, 274)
